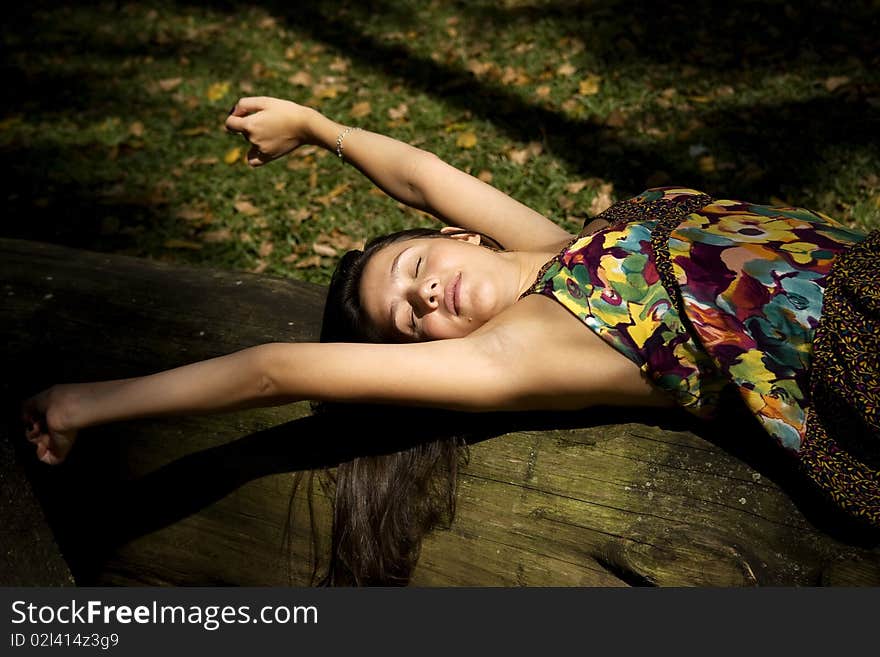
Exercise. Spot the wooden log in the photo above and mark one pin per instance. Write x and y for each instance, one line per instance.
(604, 497)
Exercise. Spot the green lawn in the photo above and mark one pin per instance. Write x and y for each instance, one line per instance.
(113, 137)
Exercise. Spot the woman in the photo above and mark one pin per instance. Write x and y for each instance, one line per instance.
(681, 295)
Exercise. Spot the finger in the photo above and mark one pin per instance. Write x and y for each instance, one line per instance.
(249, 105)
(237, 124)
(257, 158)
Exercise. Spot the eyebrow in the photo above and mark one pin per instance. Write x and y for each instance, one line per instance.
(395, 264)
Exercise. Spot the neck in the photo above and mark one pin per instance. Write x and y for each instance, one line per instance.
(525, 267)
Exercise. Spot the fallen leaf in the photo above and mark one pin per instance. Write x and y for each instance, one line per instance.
(543, 91)
(566, 69)
(182, 244)
(835, 81)
(245, 238)
(246, 208)
(194, 215)
(707, 164)
(575, 187)
(589, 86)
(565, 202)
(266, 249)
(339, 65)
(466, 140)
(324, 250)
(216, 236)
(602, 201)
(515, 76)
(217, 91)
(399, 112)
(523, 155)
(195, 132)
(301, 79)
(194, 161)
(308, 262)
(360, 110)
(479, 68)
(340, 241)
(136, 129)
(299, 215)
(327, 198)
(170, 84)
(616, 119)
(260, 267)
(232, 155)
(485, 176)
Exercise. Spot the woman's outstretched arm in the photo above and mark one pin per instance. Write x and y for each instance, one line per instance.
(267, 375)
(411, 175)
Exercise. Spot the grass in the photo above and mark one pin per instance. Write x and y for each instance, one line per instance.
(113, 133)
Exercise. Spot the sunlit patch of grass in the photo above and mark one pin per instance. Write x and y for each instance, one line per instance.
(114, 140)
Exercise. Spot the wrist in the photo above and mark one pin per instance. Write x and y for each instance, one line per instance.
(64, 407)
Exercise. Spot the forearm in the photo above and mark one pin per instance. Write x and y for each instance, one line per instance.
(392, 165)
(226, 383)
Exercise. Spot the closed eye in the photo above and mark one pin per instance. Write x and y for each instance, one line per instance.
(413, 314)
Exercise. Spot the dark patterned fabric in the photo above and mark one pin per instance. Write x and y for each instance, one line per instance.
(704, 293)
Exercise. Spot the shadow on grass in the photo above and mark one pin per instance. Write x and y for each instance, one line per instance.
(788, 145)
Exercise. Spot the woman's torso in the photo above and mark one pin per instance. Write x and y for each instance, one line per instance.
(751, 281)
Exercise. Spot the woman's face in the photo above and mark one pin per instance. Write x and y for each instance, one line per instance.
(435, 288)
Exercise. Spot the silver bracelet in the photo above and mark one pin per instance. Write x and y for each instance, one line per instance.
(340, 138)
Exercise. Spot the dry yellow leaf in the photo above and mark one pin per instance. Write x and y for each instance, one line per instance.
(707, 164)
(602, 200)
(232, 155)
(399, 112)
(835, 81)
(266, 249)
(182, 244)
(192, 214)
(217, 91)
(327, 198)
(575, 187)
(195, 132)
(466, 140)
(543, 91)
(515, 76)
(485, 175)
(589, 86)
(339, 65)
(566, 69)
(360, 110)
(260, 267)
(215, 236)
(170, 84)
(309, 262)
(136, 129)
(324, 250)
(246, 208)
(301, 79)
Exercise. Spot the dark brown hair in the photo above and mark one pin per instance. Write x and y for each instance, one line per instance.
(384, 503)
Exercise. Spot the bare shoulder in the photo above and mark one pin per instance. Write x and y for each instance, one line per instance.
(558, 362)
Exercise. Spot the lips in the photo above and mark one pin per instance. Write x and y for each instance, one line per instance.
(451, 296)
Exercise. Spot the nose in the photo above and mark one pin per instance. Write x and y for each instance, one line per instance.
(426, 295)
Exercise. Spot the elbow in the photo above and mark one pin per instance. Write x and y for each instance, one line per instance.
(268, 383)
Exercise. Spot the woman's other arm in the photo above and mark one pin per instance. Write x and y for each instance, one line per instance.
(411, 175)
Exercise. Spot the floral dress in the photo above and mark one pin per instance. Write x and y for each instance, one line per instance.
(702, 294)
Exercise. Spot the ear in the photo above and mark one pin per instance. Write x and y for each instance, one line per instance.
(456, 233)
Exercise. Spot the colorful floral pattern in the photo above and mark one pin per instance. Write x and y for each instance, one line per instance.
(751, 280)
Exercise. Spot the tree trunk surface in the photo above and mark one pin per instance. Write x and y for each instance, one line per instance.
(603, 497)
